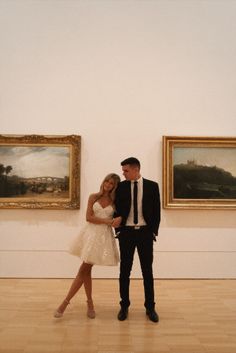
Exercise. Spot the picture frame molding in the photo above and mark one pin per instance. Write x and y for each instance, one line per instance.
(73, 142)
(168, 145)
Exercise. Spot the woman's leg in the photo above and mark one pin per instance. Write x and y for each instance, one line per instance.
(88, 290)
(75, 286)
(88, 283)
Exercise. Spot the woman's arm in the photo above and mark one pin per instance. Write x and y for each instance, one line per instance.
(90, 217)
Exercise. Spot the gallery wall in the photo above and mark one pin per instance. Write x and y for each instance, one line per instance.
(121, 74)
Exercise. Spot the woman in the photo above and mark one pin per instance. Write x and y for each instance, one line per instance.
(95, 244)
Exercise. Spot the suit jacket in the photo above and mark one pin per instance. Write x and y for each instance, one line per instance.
(150, 204)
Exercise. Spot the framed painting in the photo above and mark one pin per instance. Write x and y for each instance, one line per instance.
(199, 172)
(40, 172)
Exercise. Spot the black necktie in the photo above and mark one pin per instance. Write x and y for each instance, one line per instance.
(135, 202)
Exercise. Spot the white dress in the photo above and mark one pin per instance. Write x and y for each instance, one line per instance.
(96, 243)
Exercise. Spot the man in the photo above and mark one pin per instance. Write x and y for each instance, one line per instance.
(138, 208)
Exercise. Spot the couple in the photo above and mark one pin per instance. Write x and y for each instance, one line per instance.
(132, 207)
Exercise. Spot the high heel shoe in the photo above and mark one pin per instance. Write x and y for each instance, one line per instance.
(90, 310)
(58, 313)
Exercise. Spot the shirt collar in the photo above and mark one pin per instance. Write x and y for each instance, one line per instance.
(138, 180)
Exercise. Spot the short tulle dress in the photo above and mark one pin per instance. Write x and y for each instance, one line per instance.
(96, 243)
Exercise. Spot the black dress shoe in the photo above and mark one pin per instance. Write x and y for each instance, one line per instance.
(152, 314)
(123, 313)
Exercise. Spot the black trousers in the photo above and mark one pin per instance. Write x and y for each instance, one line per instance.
(129, 240)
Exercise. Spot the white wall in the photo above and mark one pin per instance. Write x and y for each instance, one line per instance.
(121, 74)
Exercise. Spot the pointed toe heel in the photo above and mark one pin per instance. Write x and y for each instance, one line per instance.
(59, 312)
(90, 310)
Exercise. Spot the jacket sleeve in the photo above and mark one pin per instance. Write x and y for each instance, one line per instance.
(122, 202)
(157, 210)
(151, 205)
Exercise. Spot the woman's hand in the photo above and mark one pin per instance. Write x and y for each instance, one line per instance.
(108, 221)
(116, 222)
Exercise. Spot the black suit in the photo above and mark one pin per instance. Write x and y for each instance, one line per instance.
(130, 238)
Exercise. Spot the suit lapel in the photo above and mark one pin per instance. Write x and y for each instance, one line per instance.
(144, 193)
(129, 191)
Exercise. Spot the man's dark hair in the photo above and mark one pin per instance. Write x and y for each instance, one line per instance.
(131, 161)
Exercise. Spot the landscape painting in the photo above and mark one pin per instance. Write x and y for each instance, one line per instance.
(39, 171)
(199, 172)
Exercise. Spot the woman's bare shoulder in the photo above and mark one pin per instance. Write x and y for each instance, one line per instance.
(93, 197)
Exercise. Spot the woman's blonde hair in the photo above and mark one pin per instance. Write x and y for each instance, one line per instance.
(116, 180)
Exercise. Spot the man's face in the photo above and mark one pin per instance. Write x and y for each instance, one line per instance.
(130, 172)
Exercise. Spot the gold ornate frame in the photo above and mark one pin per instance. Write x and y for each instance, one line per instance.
(43, 192)
(197, 172)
